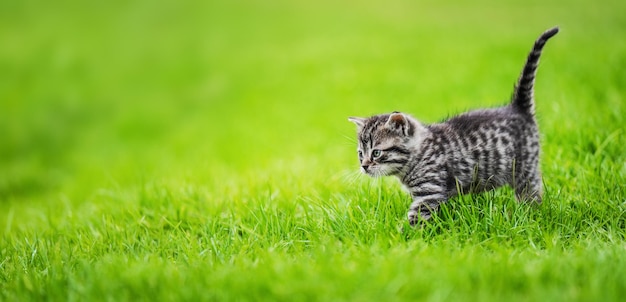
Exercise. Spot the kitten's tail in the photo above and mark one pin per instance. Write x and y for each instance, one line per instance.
(523, 94)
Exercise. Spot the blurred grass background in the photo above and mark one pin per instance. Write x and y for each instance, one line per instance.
(98, 93)
(237, 99)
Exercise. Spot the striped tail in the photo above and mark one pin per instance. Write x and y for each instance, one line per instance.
(523, 94)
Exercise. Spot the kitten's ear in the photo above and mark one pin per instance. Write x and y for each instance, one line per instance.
(400, 123)
(358, 121)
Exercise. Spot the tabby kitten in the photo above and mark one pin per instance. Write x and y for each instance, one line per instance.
(473, 152)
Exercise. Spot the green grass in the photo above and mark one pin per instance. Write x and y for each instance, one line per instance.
(200, 150)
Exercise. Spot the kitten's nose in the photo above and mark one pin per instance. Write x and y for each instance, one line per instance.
(365, 167)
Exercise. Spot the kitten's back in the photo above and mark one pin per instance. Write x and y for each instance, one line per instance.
(481, 146)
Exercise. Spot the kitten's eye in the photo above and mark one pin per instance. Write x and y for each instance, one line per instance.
(360, 154)
(376, 153)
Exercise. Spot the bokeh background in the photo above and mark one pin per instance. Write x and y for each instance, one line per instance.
(99, 96)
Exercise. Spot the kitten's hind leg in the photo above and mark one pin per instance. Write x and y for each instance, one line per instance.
(529, 189)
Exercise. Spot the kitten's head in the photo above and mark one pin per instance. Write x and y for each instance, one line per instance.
(386, 142)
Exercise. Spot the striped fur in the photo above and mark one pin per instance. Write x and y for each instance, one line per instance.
(473, 152)
(523, 93)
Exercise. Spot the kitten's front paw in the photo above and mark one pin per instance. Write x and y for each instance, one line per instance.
(415, 217)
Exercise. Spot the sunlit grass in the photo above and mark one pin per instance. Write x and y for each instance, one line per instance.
(184, 151)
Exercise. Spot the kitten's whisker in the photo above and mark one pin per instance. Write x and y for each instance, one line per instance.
(351, 139)
(351, 177)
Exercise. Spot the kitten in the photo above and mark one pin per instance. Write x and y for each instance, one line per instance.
(473, 152)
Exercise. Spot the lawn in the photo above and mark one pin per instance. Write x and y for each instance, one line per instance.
(200, 150)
